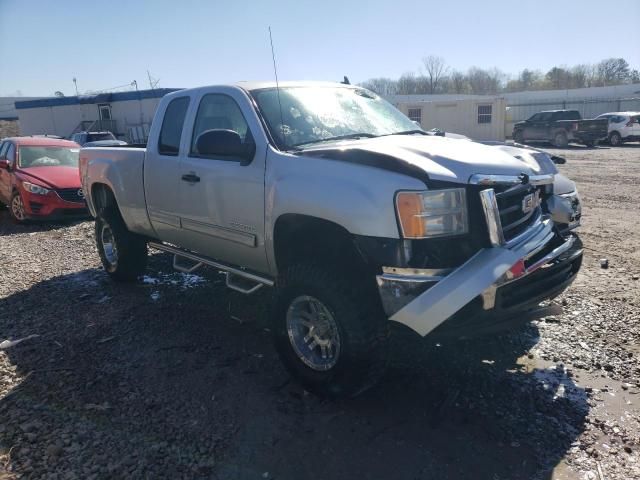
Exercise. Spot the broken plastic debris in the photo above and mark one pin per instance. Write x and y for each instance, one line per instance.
(12, 343)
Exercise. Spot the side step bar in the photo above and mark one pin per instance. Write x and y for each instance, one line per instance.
(232, 272)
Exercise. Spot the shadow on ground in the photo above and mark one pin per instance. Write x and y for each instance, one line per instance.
(174, 377)
(9, 227)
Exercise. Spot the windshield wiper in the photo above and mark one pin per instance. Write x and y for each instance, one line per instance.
(407, 132)
(340, 137)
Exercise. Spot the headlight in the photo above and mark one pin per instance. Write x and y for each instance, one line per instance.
(30, 187)
(573, 199)
(433, 213)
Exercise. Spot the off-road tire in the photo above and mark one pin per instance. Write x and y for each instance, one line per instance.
(131, 260)
(560, 140)
(615, 139)
(362, 326)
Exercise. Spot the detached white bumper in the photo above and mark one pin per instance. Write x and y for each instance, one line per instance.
(482, 274)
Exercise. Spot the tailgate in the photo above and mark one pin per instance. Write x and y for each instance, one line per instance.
(596, 128)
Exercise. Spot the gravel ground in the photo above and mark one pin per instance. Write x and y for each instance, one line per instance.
(175, 376)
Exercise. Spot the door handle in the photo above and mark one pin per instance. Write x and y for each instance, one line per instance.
(191, 178)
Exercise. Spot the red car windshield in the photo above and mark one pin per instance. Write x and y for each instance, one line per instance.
(48, 157)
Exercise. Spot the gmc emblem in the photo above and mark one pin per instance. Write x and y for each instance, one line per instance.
(530, 202)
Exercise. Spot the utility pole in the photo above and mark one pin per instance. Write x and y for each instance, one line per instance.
(135, 84)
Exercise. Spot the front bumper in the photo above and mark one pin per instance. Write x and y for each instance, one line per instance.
(51, 207)
(495, 283)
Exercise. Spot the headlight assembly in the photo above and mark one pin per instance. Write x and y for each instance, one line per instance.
(432, 213)
(37, 189)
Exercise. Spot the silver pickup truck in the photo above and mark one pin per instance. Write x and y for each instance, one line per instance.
(356, 217)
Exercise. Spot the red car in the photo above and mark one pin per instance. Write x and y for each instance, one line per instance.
(39, 178)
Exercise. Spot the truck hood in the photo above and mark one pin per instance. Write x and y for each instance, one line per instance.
(440, 158)
(52, 177)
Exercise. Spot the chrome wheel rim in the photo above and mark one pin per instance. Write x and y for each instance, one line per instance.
(615, 140)
(109, 245)
(17, 208)
(313, 333)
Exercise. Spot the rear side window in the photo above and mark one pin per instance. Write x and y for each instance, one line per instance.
(3, 149)
(171, 131)
(570, 115)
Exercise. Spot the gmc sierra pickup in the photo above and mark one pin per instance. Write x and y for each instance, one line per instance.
(561, 127)
(355, 217)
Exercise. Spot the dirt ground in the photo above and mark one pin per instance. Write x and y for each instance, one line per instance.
(175, 376)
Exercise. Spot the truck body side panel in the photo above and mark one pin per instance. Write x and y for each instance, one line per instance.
(120, 169)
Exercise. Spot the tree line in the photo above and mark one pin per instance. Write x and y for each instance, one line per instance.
(435, 77)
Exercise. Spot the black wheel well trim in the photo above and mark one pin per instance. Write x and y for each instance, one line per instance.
(296, 225)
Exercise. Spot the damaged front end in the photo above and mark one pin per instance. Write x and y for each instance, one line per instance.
(524, 252)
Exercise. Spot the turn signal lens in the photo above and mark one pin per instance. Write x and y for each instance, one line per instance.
(409, 206)
(433, 213)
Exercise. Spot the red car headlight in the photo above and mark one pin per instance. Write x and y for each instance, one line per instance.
(33, 188)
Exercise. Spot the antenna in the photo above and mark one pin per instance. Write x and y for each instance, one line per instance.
(275, 71)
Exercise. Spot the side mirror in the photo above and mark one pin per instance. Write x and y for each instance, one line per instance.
(558, 160)
(224, 143)
(5, 164)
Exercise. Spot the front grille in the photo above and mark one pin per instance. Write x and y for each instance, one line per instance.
(71, 195)
(519, 206)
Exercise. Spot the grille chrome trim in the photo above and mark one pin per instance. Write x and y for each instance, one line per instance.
(492, 216)
(482, 179)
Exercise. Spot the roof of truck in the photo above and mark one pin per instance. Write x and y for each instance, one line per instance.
(260, 85)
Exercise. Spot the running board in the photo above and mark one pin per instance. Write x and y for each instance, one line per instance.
(235, 276)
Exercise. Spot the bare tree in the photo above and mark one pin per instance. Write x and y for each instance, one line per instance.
(612, 71)
(407, 84)
(382, 86)
(435, 68)
(458, 82)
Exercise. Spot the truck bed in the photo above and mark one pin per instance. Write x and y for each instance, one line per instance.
(122, 167)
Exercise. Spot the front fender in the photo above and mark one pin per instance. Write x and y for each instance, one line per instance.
(358, 198)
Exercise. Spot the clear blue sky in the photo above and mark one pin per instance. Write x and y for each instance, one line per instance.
(186, 43)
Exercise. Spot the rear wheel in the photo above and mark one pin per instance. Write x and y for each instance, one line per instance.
(615, 139)
(123, 253)
(560, 140)
(329, 330)
(16, 208)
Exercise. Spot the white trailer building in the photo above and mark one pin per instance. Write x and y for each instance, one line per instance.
(127, 114)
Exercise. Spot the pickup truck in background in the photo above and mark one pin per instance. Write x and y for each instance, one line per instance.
(356, 218)
(560, 127)
(96, 139)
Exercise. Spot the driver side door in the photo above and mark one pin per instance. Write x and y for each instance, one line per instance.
(221, 205)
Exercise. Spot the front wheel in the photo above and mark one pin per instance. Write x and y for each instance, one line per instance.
(329, 331)
(560, 140)
(16, 208)
(123, 253)
(615, 139)
(518, 137)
